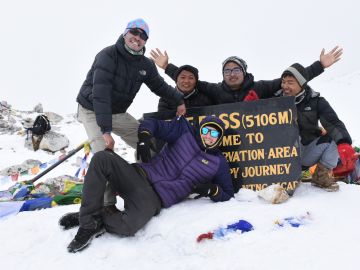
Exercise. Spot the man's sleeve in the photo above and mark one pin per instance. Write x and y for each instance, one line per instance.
(168, 131)
(165, 105)
(157, 85)
(332, 124)
(314, 70)
(171, 70)
(104, 68)
(223, 181)
(215, 92)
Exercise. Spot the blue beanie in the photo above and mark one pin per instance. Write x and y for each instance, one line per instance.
(138, 23)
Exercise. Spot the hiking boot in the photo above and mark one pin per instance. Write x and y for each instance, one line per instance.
(84, 236)
(69, 220)
(324, 178)
(110, 210)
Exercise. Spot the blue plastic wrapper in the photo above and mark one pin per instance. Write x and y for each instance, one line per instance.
(294, 221)
(241, 225)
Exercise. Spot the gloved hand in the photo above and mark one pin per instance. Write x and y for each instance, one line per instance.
(143, 146)
(251, 96)
(205, 190)
(348, 158)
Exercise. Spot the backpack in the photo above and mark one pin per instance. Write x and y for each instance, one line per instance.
(41, 125)
(354, 177)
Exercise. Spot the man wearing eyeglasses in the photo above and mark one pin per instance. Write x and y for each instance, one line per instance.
(238, 84)
(111, 85)
(189, 163)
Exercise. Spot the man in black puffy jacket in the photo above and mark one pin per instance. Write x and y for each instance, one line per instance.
(317, 146)
(111, 85)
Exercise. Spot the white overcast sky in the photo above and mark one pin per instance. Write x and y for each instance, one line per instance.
(47, 46)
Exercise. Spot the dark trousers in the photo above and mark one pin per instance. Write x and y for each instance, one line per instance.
(141, 202)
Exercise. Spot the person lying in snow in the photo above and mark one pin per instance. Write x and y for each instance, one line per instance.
(189, 163)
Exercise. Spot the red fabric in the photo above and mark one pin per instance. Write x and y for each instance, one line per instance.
(203, 236)
(251, 96)
(348, 158)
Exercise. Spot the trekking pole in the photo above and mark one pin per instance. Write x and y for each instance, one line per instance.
(70, 154)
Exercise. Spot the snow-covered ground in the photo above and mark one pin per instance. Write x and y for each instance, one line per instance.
(329, 240)
(48, 46)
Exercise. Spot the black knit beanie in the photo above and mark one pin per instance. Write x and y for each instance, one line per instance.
(189, 68)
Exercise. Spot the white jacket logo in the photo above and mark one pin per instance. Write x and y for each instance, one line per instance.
(206, 162)
(307, 109)
(142, 72)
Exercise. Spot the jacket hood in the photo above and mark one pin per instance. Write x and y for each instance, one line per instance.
(215, 122)
(308, 93)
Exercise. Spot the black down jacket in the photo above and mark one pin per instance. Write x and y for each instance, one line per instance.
(314, 108)
(221, 92)
(115, 78)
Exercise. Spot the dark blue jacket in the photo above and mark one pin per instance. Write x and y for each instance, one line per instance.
(185, 162)
(115, 78)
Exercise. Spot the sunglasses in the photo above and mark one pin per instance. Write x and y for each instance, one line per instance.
(235, 71)
(213, 133)
(138, 32)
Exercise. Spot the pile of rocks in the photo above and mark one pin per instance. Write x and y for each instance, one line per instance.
(15, 121)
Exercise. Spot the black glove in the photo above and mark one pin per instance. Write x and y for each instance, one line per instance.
(205, 190)
(143, 146)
